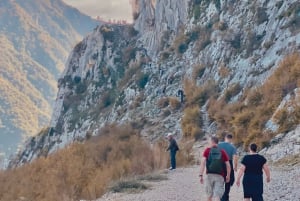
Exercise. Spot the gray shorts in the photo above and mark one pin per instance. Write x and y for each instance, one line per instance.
(214, 185)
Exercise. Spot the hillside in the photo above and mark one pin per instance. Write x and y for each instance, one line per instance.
(35, 39)
(190, 67)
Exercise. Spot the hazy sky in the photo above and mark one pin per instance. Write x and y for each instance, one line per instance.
(108, 9)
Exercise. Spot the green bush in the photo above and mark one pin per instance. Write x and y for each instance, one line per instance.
(142, 80)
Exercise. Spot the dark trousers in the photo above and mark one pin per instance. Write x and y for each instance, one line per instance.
(173, 159)
(228, 185)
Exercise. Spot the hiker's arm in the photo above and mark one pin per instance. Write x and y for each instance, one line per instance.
(235, 162)
(267, 172)
(202, 168)
(240, 173)
(228, 169)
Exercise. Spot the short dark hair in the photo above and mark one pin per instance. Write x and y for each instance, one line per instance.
(253, 147)
(215, 139)
(229, 136)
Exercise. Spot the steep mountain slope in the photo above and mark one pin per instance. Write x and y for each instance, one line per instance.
(189, 67)
(35, 38)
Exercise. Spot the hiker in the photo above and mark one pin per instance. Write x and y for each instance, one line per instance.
(180, 93)
(213, 159)
(252, 166)
(173, 148)
(230, 149)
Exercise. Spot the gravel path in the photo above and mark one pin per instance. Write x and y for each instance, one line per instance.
(183, 185)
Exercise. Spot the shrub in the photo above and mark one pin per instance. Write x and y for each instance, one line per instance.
(224, 71)
(261, 15)
(134, 68)
(128, 185)
(232, 91)
(198, 71)
(107, 32)
(163, 102)
(142, 80)
(182, 48)
(166, 113)
(81, 88)
(174, 103)
(77, 79)
(107, 99)
(268, 44)
(287, 118)
(196, 95)
(184, 155)
(164, 39)
(254, 97)
(128, 54)
(236, 42)
(164, 55)
(221, 25)
(194, 34)
(181, 43)
(204, 38)
(191, 121)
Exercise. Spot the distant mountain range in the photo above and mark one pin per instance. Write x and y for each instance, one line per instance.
(35, 40)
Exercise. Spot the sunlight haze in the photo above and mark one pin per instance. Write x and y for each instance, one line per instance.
(113, 9)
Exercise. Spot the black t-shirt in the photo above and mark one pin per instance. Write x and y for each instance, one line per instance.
(253, 163)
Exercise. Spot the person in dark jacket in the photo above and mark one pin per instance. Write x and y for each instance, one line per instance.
(173, 148)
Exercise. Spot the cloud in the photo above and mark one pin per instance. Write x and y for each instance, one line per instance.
(109, 9)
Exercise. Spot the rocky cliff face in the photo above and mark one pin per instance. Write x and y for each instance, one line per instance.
(123, 74)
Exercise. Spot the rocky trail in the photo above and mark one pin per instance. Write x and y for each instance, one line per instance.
(183, 185)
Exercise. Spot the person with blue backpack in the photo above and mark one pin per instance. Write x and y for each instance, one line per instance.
(214, 159)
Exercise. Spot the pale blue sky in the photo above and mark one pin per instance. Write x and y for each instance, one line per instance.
(109, 9)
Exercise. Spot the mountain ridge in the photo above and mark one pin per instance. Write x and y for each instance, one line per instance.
(36, 37)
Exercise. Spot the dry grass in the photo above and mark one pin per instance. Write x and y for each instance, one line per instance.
(83, 170)
(191, 122)
(163, 102)
(198, 71)
(174, 103)
(224, 71)
(289, 160)
(198, 95)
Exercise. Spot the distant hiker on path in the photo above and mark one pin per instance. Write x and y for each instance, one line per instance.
(230, 149)
(180, 93)
(213, 159)
(252, 166)
(173, 148)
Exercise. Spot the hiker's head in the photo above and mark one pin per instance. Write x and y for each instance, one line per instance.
(253, 147)
(228, 137)
(170, 135)
(214, 140)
